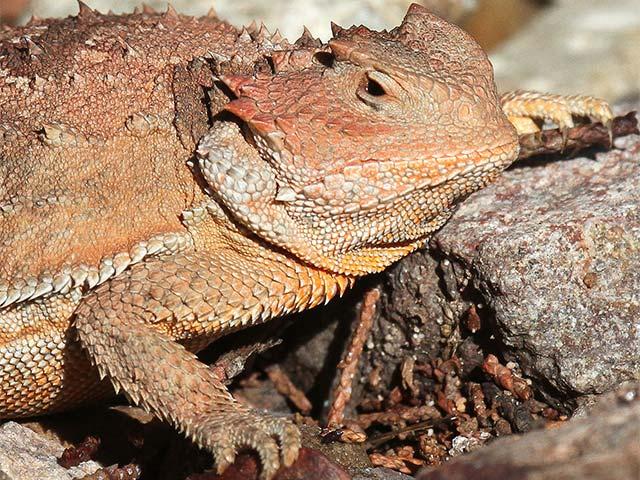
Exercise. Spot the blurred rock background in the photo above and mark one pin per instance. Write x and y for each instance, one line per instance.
(565, 46)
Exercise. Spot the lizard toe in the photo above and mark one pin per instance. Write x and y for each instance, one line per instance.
(288, 437)
(522, 107)
(275, 440)
(224, 453)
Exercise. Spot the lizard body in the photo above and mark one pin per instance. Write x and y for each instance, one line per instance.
(167, 180)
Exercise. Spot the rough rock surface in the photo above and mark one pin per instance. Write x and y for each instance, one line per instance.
(26, 455)
(601, 447)
(552, 250)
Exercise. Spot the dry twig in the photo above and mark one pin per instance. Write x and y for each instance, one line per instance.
(505, 378)
(285, 387)
(399, 414)
(349, 363)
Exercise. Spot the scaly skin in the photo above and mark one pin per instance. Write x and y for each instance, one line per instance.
(145, 211)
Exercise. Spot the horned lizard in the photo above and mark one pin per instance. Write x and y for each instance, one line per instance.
(167, 180)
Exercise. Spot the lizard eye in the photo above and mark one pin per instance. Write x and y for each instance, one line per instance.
(373, 89)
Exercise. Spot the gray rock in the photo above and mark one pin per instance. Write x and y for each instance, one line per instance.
(592, 405)
(26, 455)
(575, 46)
(599, 447)
(553, 252)
(380, 474)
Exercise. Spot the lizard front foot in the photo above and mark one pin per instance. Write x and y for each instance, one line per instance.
(276, 440)
(128, 328)
(524, 108)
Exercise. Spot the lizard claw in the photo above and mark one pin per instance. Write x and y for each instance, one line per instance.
(276, 440)
(609, 126)
(522, 107)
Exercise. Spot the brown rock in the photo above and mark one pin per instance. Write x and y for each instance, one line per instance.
(603, 447)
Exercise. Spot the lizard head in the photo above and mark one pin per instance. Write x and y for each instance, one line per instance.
(375, 137)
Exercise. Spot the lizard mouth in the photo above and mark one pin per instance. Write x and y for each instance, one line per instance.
(471, 170)
(476, 163)
(436, 170)
(423, 207)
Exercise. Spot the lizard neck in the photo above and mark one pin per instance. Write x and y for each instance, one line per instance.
(257, 281)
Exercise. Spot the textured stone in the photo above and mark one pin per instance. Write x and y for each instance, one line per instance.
(26, 455)
(552, 250)
(600, 447)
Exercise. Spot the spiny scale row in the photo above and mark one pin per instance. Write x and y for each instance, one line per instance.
(251, 33)
(84, 276)
(85, 11)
